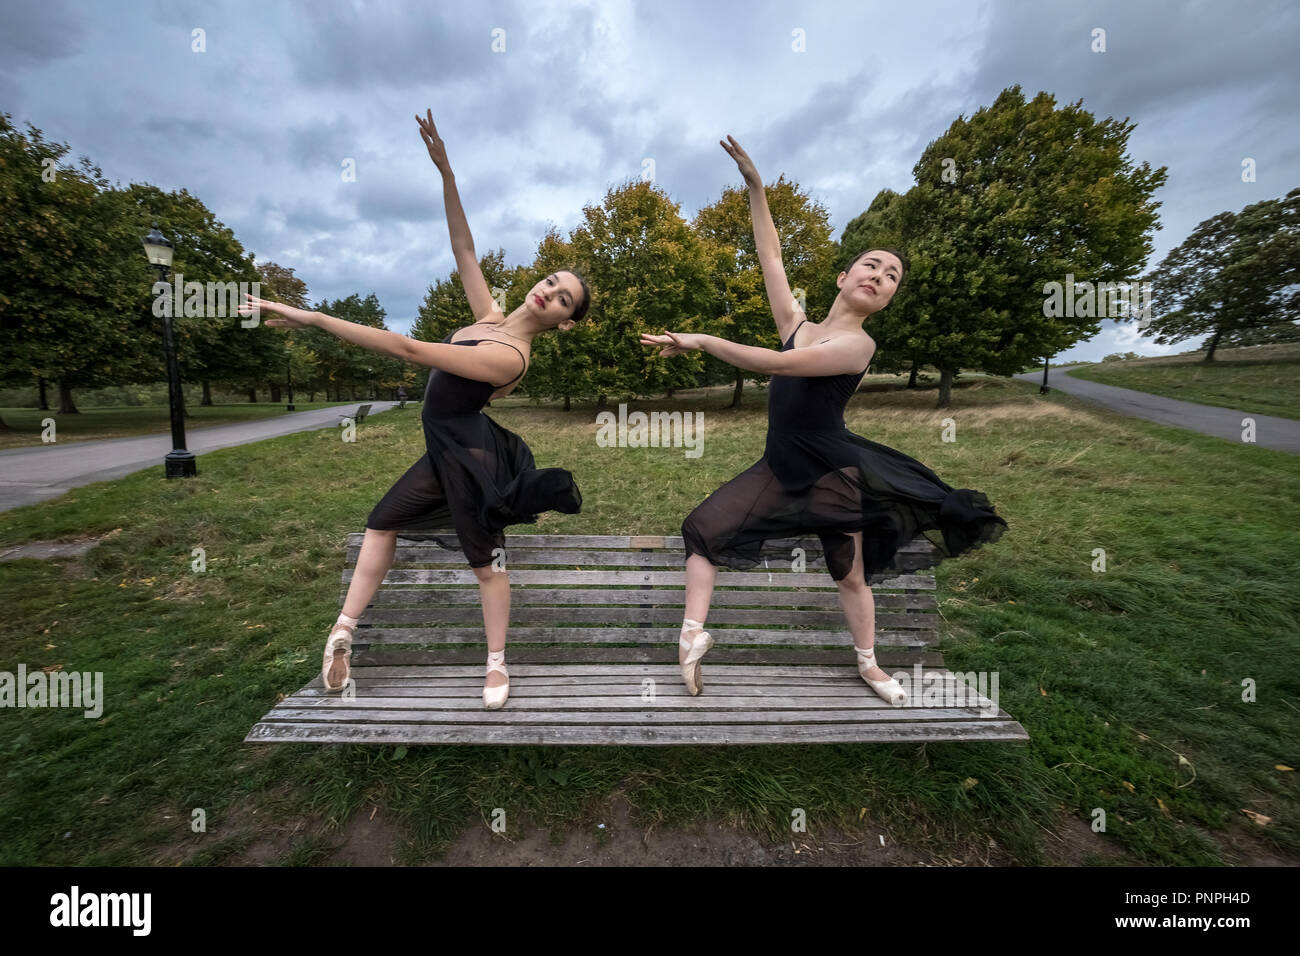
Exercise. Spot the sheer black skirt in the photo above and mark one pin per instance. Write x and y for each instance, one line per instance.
(475, 479)
(832, 484)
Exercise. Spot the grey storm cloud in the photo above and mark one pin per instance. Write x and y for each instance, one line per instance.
(260, 124)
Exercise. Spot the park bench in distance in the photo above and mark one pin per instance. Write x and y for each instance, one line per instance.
(592, 652)
(359, 417)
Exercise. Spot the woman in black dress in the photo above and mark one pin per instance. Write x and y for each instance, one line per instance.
(862, 499)
(475, 477)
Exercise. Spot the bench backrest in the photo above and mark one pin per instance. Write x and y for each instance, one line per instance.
(585, 591)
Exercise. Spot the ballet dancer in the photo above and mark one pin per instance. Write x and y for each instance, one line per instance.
(863, 500)
(475, 477)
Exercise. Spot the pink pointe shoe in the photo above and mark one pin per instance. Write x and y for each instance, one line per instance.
(695, 649)
(338, 653)
(890, 690)
(494, 698)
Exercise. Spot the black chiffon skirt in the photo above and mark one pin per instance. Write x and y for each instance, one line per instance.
(476, 478)
(832, 484)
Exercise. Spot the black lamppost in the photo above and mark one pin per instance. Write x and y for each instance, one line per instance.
(1043, 389)
(180, 462)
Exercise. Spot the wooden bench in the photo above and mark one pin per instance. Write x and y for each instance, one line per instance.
(592, 652)
(359, 417)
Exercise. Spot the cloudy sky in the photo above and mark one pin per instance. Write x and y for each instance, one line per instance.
(258, 124)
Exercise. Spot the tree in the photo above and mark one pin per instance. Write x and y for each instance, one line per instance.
(1020, 195)
(1235, 278)
(648, 271)
(74, 279)
(807, 252)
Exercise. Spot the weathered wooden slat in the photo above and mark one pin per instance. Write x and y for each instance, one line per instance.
(473, 701)
(668, 687)
(397, 656)
(631, 617)
(529, 557)
(528, 596)
(775, 578)
(603, 541)
(581, 671)
(628, 635)
(322, 715)
(865, 732)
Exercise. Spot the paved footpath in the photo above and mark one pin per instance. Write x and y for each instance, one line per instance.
(40, 472)
(1282, 434)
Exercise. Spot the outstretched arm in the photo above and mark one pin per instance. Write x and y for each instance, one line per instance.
(481, 303)
(767, 243)
(829, 358)
(473, 361)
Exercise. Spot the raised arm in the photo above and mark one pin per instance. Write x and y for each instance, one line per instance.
(766, 243)
(481, 303)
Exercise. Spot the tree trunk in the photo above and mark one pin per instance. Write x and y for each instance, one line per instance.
(66, 406)
(207, 393)
(45, 405)
(670, 392)
(275, 392)
(1214, 344)
(252, 395)
(311, 396)
(945, 388)
(3, 426)
(601, 402)
(911, 379)
(740, 385)
(566, 403)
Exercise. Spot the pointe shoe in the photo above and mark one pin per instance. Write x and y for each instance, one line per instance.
(889, 690)
(695, 649)
(494, 698)
(338, 651)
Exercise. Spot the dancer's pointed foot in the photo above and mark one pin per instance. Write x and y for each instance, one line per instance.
(693, 644)
(888, 689)
(336, 665)
(496, 684)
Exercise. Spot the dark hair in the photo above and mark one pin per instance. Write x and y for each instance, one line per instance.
(901, 258)
(580, 310)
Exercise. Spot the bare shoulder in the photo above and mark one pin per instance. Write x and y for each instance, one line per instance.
(860, 339)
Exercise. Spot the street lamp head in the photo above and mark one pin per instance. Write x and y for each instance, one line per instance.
(158, 248)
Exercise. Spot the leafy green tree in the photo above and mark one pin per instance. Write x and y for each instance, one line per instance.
(807, 252)
(73, 279)
(648, 271)
(1020, 195)
(1235, 278)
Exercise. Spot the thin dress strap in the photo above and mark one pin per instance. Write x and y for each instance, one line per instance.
(795, 332)
(521, 356)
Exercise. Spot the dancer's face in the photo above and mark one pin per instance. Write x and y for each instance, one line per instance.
(554, 299)
(870, 283)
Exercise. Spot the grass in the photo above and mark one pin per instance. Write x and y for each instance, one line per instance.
(1264, 380)
(1119, 676)
(122, 421)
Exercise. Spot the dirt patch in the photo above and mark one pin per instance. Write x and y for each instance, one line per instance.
(62, 548)
(1073, 843)
(621, 842)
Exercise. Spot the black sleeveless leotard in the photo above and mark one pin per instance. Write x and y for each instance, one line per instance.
(817, 477)
(475, 477)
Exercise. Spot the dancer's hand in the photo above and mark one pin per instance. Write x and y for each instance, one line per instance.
(290, 317)
(747, 168)
(437, 149)
(675, 343)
